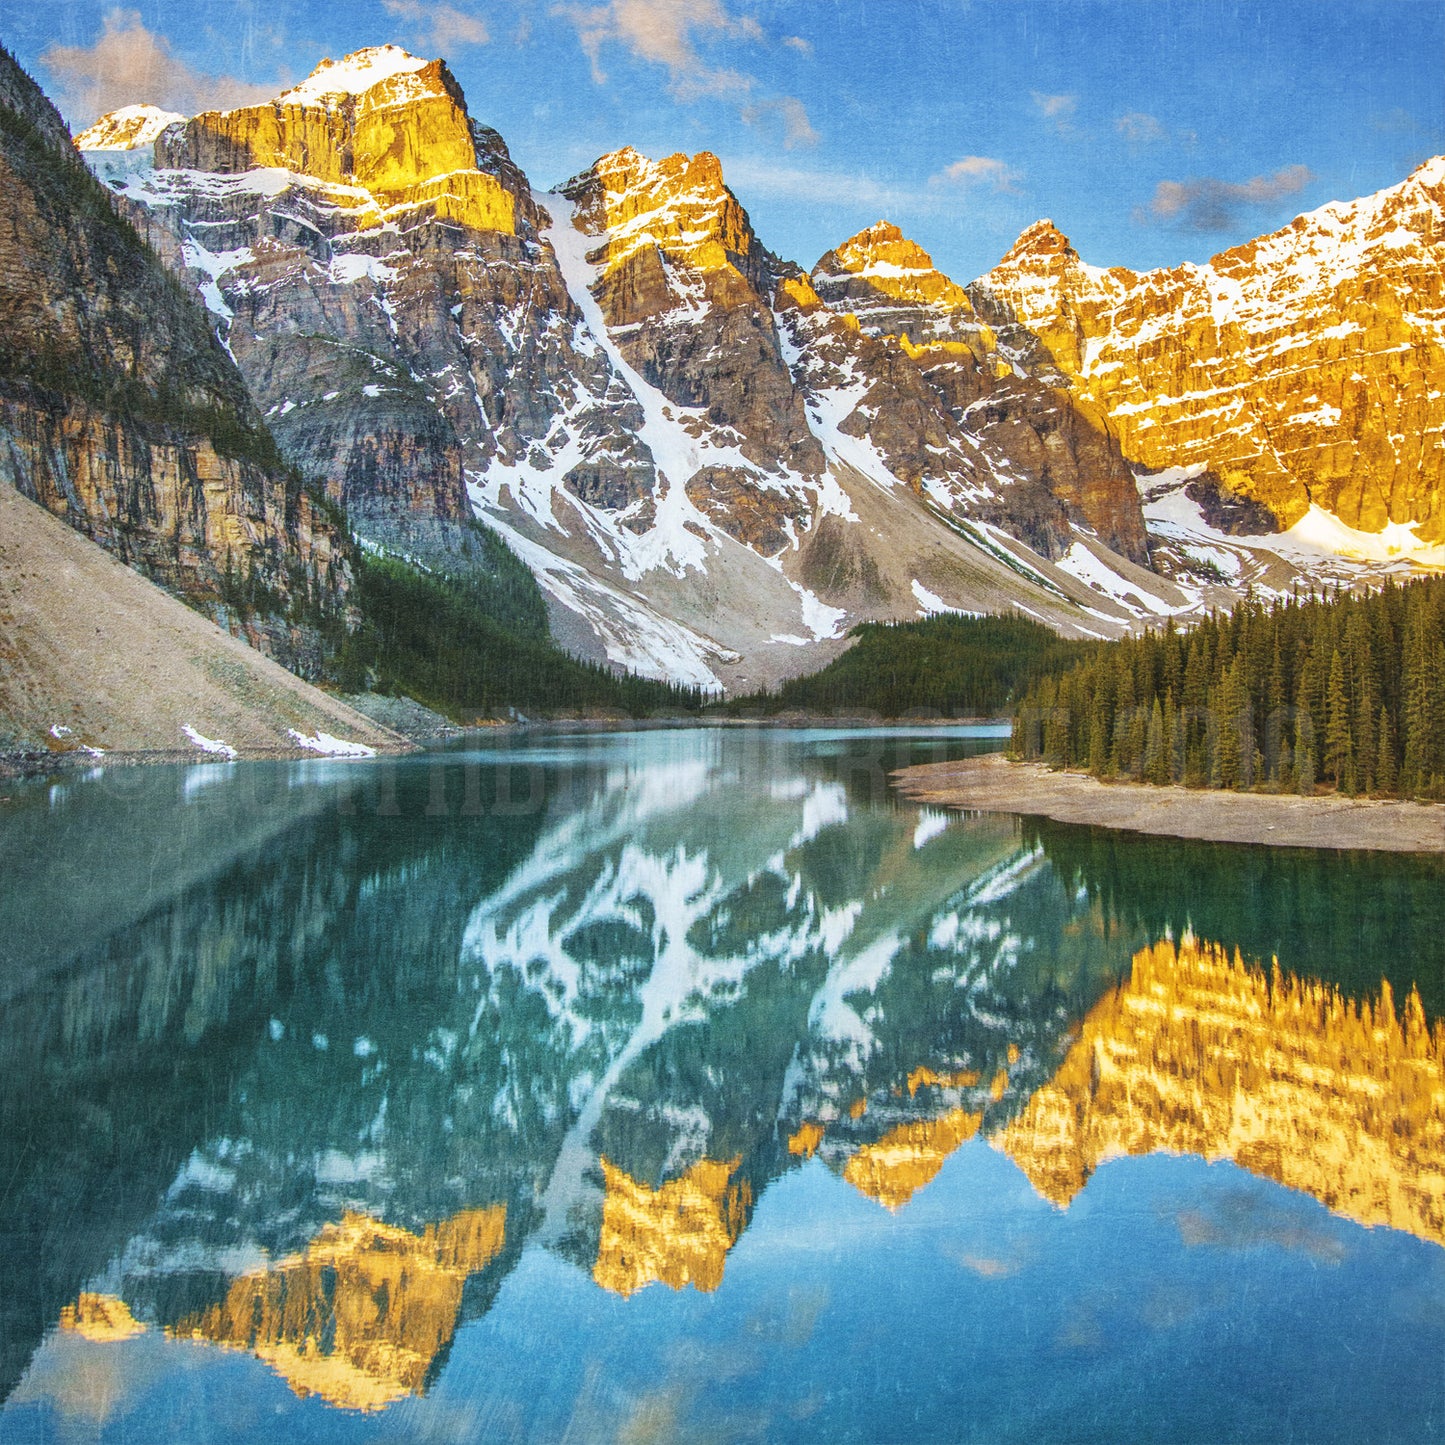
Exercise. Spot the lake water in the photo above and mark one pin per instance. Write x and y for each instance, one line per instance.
(691, 1086)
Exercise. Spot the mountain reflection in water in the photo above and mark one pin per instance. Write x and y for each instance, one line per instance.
(596, 999)
(1198, 1053)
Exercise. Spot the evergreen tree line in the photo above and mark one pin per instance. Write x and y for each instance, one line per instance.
(947, 665)
(473, 645)
(1345, 691)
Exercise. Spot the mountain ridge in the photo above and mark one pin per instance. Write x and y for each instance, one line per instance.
(1370, 267)
(714, 462)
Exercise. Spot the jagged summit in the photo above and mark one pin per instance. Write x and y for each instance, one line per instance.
(380, 121)
(1042, 239)
(626, 168)
(132, 127)
(680, 204)
(353, 74)
(882, 248)
(633, 183)
(881, 268)
(1303, 369)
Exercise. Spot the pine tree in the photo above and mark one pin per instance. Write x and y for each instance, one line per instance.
(1304, 769)
(1339, 744)
(1056, 734)
(1313, 679)
(1098, 733)
(1176, 741)
(1385, 757)
(1235, 750)
(1156, 753)
(1417, 703)
(1276, 699)
(1121, 755)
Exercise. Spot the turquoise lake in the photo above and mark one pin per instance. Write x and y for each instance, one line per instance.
(692, 1086)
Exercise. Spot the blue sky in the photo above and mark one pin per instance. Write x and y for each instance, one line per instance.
(1151, 131)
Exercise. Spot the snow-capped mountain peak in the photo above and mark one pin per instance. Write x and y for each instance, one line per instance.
(1300, 368)
(132, 127)
(353, 74)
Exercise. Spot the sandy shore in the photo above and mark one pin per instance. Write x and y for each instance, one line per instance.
(992, 784)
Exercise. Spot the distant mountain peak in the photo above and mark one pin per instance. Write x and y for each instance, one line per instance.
(353, 74)
(388, 131)
(881, 262)
(680, 204)
(1301, 367)
(628, 169)
(1042, 239)
(132, 127)
(884, 248)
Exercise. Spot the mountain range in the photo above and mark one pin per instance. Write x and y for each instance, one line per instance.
(714, 462)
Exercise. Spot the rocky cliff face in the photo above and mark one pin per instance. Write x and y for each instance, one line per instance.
(121, 413)
(684, 284)
(365, 253)
(1300, 368)
(1025, 455)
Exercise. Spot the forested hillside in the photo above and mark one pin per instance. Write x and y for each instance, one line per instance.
(954, 666)
(475, 644)
(1345, 692)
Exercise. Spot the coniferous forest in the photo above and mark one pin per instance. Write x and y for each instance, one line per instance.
(477, 644)
(946, 665)
(1345, 692)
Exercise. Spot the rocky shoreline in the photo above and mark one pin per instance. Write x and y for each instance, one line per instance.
(993, 784)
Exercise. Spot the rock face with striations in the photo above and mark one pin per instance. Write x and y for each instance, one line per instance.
(1029, 457)
(372, 259)
(682, 283)
(1302, 367)
(121, 413)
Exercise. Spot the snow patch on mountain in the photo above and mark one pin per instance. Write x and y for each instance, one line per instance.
(1089, 567)
(636, 637)
(355, 74)
(131, 128)
(677, 540)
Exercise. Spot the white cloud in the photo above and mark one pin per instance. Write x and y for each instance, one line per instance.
(797, 128)
(1206, 203)
(664, 32)
(1138, 127)
(130, 65)
(1057, 108)
(796, 42)
(669, 33)
(440, 28)
(978, 171)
